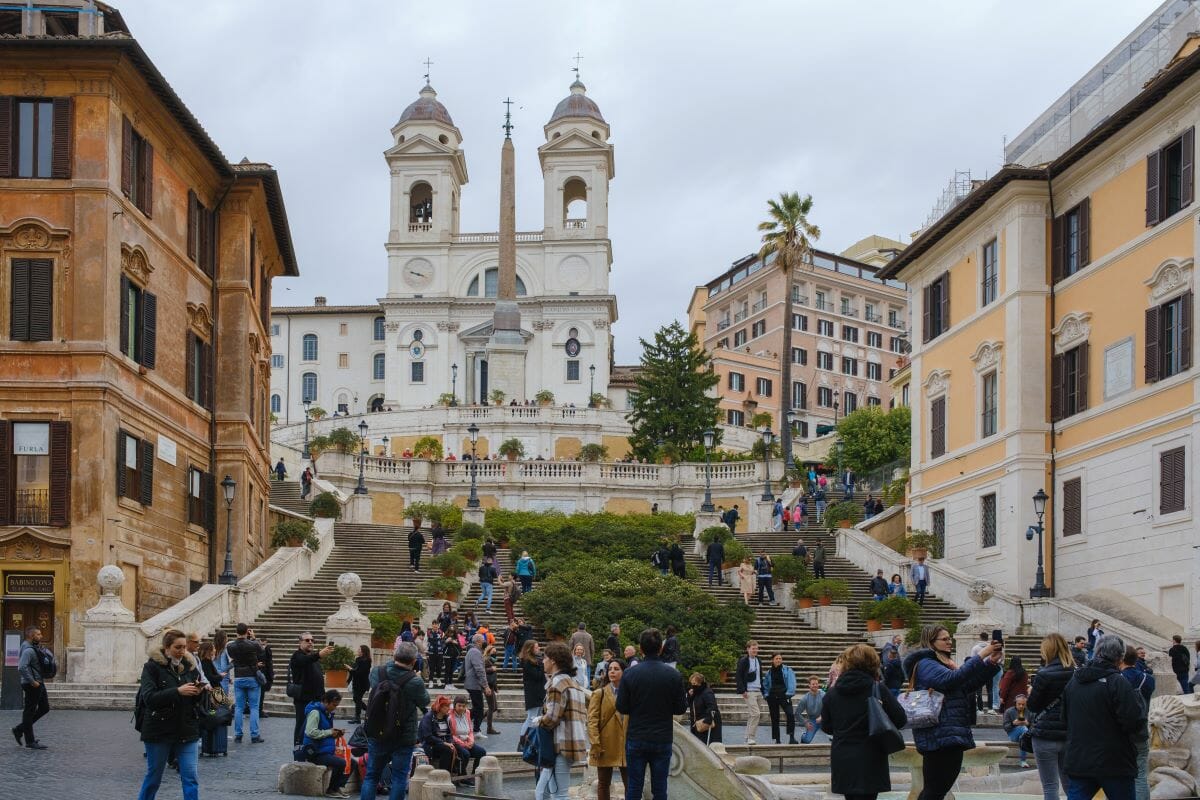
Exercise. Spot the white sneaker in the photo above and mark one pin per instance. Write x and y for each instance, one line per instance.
(1024, 765)
(481, 735)
(449, 687)
(751, 741)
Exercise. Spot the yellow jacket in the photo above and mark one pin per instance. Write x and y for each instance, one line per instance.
(606, 729)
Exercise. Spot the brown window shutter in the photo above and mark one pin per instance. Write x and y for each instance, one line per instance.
(1056, 387)
(8, 153)
(209, 242)
(193, 219)
(1081, 377)
(1185, 332)
(149, 352)
(190, 366)
(1085, 232)
(1152, 365)
(146, 195)
(124, 314)
(6, 464)
(208, 495)
(121, 487)
(64, 127)
(1171, 480)
(60, 474)
(937, 428)
(19, 308)
(1056, 248)
(1072, 507)
(945, 320)
(206, 391)
(41, 300)
(1187, 166)
(1153, 186)
(147, 470)
(126, 157)
(926, 294)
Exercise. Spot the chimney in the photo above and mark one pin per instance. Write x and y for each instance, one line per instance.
(318, 301)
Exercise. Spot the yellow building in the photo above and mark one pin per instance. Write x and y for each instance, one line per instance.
(1052, 348)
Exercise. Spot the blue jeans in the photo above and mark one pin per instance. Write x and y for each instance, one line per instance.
(157, 754)
(553, 784)
(1015, 736)
(379, 754)
(510, 655)
(809, 733)
(921, 587)
(640, 753)
(1083, 788)
(485, 594)
(245, 690)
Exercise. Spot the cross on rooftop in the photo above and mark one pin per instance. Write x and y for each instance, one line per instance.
(428, 64)
(575, 68)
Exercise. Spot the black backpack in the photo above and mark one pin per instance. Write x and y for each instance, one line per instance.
(47, 666)
(387, 707)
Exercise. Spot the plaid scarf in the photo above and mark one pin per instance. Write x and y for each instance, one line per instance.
(565, 712)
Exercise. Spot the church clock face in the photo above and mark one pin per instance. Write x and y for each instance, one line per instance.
(418, 273)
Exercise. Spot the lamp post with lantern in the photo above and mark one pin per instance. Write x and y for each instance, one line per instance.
(710, 437)
(362, 457)
(305, 454)
(473, 498)
(592, 387)
(454, 384)
(1039, 588)
(227, 578)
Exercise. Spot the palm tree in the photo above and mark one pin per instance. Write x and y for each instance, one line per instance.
(788, 235)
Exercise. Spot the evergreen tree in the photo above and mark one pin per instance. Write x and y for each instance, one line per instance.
(672, 406)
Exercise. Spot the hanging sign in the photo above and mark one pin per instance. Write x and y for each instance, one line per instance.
(29, 584)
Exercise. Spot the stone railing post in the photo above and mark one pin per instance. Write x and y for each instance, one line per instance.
(437, 786)
(489, 778)
(113, 642)
(416, 784)
(347, 626)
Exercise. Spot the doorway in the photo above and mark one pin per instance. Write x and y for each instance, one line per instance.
(483, 381)
(20, 614)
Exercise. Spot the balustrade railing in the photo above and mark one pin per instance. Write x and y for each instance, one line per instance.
(420, 227)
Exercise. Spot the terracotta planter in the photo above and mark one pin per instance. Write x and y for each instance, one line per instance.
(336, 678)
(449, 573)
(874, 625)
(381, 644)
(724, 676)
(826, 600)
(416, 522)
(666, 460)
(844, 523)
(918, 552)
(806, 602)
(450, 596)
(511, 456)
(897, 624)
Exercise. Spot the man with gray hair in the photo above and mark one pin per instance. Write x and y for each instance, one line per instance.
(1105, 719)
(475, 682)
(398, 700)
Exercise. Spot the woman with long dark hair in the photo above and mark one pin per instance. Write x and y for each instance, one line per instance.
(533, 683)
(1014, 682)
(360, 679)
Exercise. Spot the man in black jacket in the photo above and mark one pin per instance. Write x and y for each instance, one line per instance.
(1180, 661)
(714, 556)
(304, 671)
(651, 694)
(245, 655)
(613, 642)
(416, 544)
(1105, 720)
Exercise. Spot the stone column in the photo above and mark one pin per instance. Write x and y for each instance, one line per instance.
(416, 784)
(348, 626)
(437, 786)
(113, 642)
(489, 778)
(474, 515)
(980, 620)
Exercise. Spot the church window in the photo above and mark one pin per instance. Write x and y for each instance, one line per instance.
(379, 329)
(575, 207)
(420, 198)
(491, 283)
(308, 391)
(310, 347)
(418, 335)
(573, 370)
(416, 372)
(276, 404)
(573, 333)
(378, 367)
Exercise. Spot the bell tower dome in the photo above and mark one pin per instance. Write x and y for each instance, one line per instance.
(577, 164)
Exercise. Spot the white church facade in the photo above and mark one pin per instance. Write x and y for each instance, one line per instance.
(442, 283)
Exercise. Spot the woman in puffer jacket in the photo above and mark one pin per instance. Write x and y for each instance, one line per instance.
(1045, 702)
(170, 688)
(930, 667)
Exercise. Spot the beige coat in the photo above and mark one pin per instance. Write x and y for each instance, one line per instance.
(606, 729)
(747, 578)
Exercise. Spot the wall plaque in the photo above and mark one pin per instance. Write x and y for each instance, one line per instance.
(1118, 368)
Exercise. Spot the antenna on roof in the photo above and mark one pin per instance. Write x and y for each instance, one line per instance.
(428, 64)
(575, 68)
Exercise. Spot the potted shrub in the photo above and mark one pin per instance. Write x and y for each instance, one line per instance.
(544, 397)
(715, 533)
(385, 627)
(735, 553)
(451, 565)
(337, 667)
(417, 512)
(597, 400)
(593, 452)
(840, 515)
(326, 505)
(900, 611)
(869, 609)
(471, 530)
(512, 449)
(826, 590)
(497, 397)
(470, 549)
(801, 596)
(428, 447)
(724, 660)
(404, 608)
(441, 588)
(294, 533)
(446, 399)
(789, 569)
(920, 544)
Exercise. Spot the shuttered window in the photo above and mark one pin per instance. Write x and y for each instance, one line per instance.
(1169, 338)
(137, 168)
(201, 234)
(763, 387)
(139, 323)
(1069, 382)
(135, 468)
(989, 402)
(32, 290)
(799, 395)
(35, 473)
(937, 427)
(737, 382)
(987, 520)
(1073, 507)
(199, 371)
(1171, 481)
(36, 137)
(936, 312)
(1170, 178)
(1071, 241)
(824, 397)
(197, 492)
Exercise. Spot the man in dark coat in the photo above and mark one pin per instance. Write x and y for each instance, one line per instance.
(714, 556)
(304, 669)
(1105, 720)
(678, 565)
(416, 543)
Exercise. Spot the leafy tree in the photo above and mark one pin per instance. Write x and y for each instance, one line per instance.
(870, 438)
(672, 406)
(788, 235)
(344, 440)
(316, 412)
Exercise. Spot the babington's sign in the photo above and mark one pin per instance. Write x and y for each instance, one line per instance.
(29, 584)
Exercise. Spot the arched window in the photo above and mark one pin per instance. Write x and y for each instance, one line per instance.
(575, 206)
(378, 367)
(377, 403)
(308, 382)
(420, 200)
(310, 347)
(491, 284)
(379, 329)
(276, 404)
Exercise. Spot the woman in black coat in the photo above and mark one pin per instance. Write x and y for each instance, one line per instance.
(858, 766)
(360, 679)
(702, 705)
(1045, 702)
(533, 682)
(170, 688)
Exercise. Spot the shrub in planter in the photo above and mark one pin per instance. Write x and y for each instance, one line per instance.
(544, 397)
(512, 449)
(293, 533)
(593, 452)
(597, 400)
(869, 610)
(497, 397)
(827, 589)
(403, 607)
(448, 515)
(838, 513)
(446, 398)
(441, 588)
(899, 609)
(470, 549)
(450, 564)
(471, 530)
(340, 658)
(789, 569)
(385, 627)
(716, 533)
(325, 505)
(428, 447)
(736, 552)
(922, 543)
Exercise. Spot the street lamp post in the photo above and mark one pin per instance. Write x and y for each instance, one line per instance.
(386, 453)
(362, 457)
(473, 499)
(709, 437)
(767, 438)
(592, 387)
(454, 384)
(227, 578)
(305, 455)
(1039, 588)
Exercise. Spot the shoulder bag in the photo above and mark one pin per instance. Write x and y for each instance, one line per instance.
(880, 728)
(293, 690)
(924, 707)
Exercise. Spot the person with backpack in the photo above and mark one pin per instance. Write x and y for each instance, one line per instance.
(165, 714)
(678, 564)
(1142, 680)
(398, 699)
(819, 500)
(487, 580)
(731, 518)
(526, 571)
(512, 593)
(35, 665)
(245, 655)
(764, 567)
(660, 559)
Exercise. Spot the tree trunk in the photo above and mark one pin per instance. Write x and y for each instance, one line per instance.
(785, 374)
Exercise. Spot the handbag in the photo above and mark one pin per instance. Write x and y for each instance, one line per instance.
(293, 690)
(211, 712)
(924, 707)
(261, 678)
(880, 728)
(539, 748)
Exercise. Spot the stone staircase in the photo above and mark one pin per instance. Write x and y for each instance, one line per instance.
(286, 494)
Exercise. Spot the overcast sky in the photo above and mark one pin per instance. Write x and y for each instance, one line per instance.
(714, 107)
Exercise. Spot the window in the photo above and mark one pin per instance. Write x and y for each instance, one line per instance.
(849, 366)
(822, 303)
(987, 520)
(733, 417)
(799, 395)
(1171, 483)
(343, 360)
(799, 356)
(874, 401)
(737, 382)
(419, 335)
(849, 402)
(874, 371)
(198, 366)
(139, 323)
(308, 387)
(135, 468)
(491, 283)
(893, 318)
(1169, 178)
(723, 342)
(849, 333)
(802, 430)
(758, 329)
(573, 369)
(824, 397)
(937, 526)
(1069, 382)
(896, 345)
(379, 329)
(847, 309)
(137, 168)
(825, 327)
(824, 360)
(377, 366)
(276, 361)
(416, 372)
(937, 428)
(937, 307)
(989, 281)
(32, 291)
(875, 339)
(871, 314)
(343, 329)
(275, 329)
(1070, 241)
(35, 135)
(199, 497)
(989, 399)
(1169, 338)
(201, 239)
(739, 338)
(763, 387)
(309, 344)
(799, 322)
(35, 466)
(1072, 507)
(276, 404)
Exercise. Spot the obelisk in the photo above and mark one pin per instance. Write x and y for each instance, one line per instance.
(506, 348)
